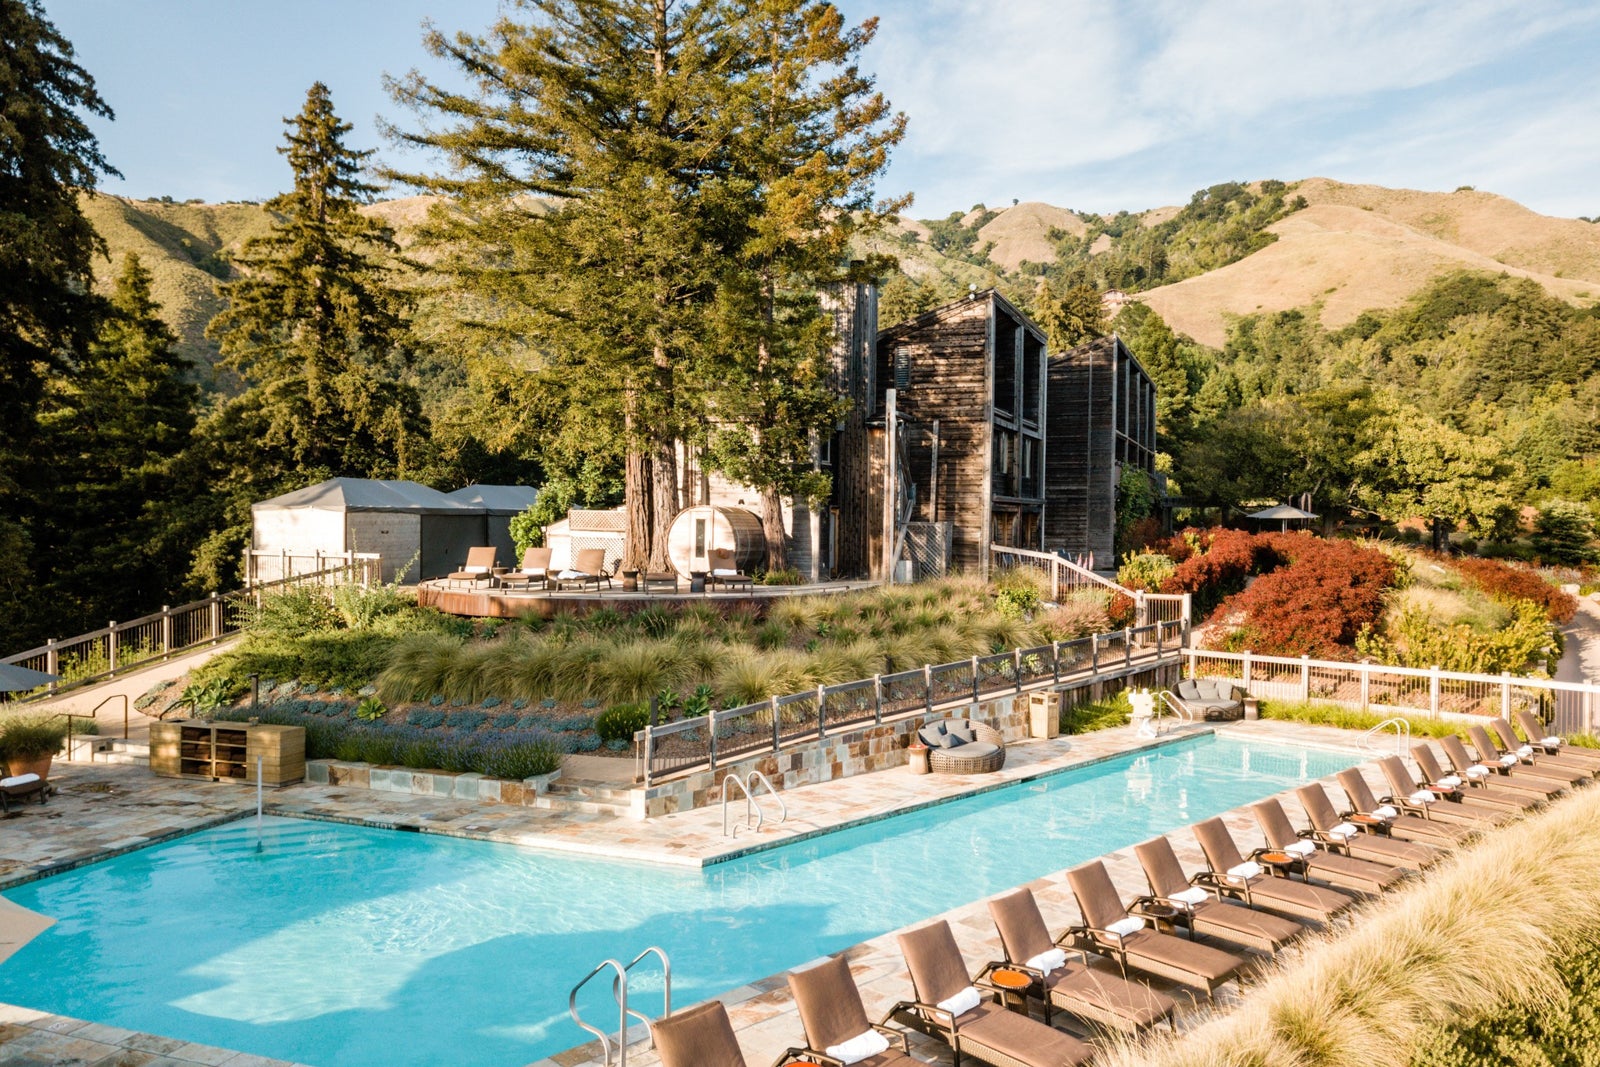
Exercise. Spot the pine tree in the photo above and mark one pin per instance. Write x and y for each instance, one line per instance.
(612, 109)
(1071, 317)
(810, 136)
(112, 426)
(314, 325)
(48, 156)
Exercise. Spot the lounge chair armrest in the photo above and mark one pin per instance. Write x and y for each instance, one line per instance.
(895, 1035)
(1182, 905)
(1332, 842)
(793, 1055)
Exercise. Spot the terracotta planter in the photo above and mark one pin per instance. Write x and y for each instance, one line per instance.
(39, 765)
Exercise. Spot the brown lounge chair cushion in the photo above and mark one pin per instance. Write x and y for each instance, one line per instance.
(1265, 891)
(1490, 752)
(1459, 759)
(938, 972)
(1410, 854)
(1402, 786)
(1502, 731)
(831, 1011)
(1094, 990)
(1166, 955)
(699, 1037)
(1538, 733)
(1212, 917)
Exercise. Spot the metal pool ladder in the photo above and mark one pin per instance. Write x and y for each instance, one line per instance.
(619, 990)
(753, 816)
(1402, 736)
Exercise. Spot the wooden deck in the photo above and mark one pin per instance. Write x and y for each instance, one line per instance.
(485, 602)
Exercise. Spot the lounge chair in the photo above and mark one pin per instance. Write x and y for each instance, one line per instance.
(1202, 910)
(1544, 737)
(1406, 827)
(963, 746)
(1249, 881)
(1365, 842)
(1093, 990)
(1494, 771)
(1516, 764)
(948, 1006)
(535, 568)
(1120, 933)
(699, 1037)
(478, 568)
(1479, 791)
(1314, 861)
(835, 1021)
(18, 788)
(1434, 799)
(1534, 753)
(725, 569)
(588, 568)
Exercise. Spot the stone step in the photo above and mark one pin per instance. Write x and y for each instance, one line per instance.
(579, 789)
(574, 804)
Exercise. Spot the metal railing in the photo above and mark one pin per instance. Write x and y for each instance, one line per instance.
(1570, 707)
(1402, 737)
(122, 646)
(265, 566)
(619, 991)
(782, 722)
(1067, 577)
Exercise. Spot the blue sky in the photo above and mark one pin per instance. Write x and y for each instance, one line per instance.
(1093, 106)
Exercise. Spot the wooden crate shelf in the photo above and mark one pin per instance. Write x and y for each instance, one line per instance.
(228, 751)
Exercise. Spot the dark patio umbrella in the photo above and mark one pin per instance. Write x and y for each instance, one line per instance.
(15, 679)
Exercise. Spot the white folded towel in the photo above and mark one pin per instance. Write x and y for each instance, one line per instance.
(1508, 760)
(1551, 742)
(570, 573)
(861, 1047)
(723, 572)
(1423, 796)
(1451, 780)
(1049, 961)
(1345, 830)
(16, 780)
(1246, 870)
(474, 568)
(962, 1002)
(1384, 811)
(1194, 895)
(1301, 848)
(1477, 772)
(1525, 751)
(1131, 925)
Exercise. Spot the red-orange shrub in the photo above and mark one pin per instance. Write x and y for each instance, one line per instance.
(1505, 582)
(1315, 605)
(1229, 557)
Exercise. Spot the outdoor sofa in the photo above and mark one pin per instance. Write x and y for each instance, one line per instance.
(1211, 699)
(962, 746)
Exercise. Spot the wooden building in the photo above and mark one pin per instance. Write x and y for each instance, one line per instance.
(1102, 419)
(967, 382)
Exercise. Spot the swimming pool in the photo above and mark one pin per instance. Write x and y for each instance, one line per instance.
(343, 945)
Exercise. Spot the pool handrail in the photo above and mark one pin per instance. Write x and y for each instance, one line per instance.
(622, 1002)
(619, 990)
(750, 806)
(750, 781)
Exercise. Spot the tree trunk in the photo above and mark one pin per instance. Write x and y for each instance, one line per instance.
(637, 503)
(772, 528)
(663, 502)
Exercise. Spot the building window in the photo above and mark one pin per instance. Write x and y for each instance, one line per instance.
(1027, 458)
(902, 368)
(1002, 448)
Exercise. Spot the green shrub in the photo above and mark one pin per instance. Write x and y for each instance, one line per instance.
(360, 607)
(783, 576)
(621, 721)
(293, 611)
(1145, 570)
(1321, 714)
(31, 736)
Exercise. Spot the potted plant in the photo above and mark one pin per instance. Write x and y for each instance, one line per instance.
(29, 742)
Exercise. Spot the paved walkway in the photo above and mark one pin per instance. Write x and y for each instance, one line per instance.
(1580, 659)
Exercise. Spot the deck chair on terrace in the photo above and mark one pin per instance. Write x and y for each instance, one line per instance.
(1202, 910)
(1406, 827)
(535, 568)
(835, 1021)
(1533, 751)
(478, 568)
(1092, 990)
(949, 1006)
(18, 788)
(1121, 933)
(1546, 738)
(1363, 842)
(1495, 773)
(725, 569)
(1476, 792)
(1516, 765)
(588, 568)
(699, 1037)
(1247, 880)
(1316, 861)
(1433, 800)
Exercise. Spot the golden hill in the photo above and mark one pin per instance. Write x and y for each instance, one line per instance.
(1361, 246)
(1021, 233)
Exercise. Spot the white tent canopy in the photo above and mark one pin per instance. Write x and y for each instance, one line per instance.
(1283, 513)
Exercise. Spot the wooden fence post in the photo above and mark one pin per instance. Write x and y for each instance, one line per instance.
(1366, 684)
(974, 679)
(927, 685)
(1433, 690)
(166, 631)
(1127, 648)
(111, 647)
(877, 699)
(822, 718)
(1305, 678)
(1505, 697)
(711, 732)
(1188, 608)
(1094, 653)
(1016, 667)
(1055, 662)
(216, 617)
(649, 750)
(52, 661)
(777, 731)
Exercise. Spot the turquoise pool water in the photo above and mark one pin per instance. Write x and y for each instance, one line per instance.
(339, 945)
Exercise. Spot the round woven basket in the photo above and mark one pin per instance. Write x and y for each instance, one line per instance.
(951, 760)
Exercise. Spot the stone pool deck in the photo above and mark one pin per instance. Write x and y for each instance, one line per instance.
(102, 810)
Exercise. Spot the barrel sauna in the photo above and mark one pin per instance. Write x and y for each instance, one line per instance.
(698, 530)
